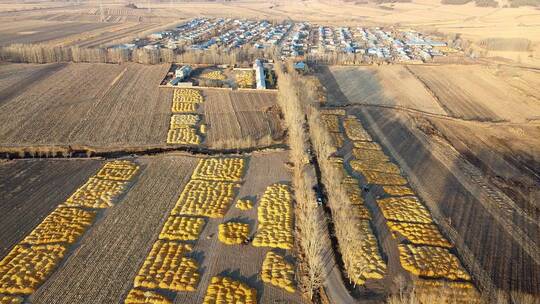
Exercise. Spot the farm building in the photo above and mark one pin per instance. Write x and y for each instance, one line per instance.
(259, 75)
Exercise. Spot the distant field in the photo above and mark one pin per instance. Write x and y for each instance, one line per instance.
(15, 78)
(385, 85)
(36, 32)
(461, 91)
(477, 92)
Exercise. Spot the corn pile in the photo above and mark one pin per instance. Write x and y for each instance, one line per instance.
(205, 198)
(96, 193)
(366, 145)
(223, 290)
(24, 268)
(331, 122)
(420, 234)
(369, 155)
(183, 136)
(275, 218)
(182, 228)
(384, 167)
(179, 121)
(183, 127)
(380, 178)
(338, 140)
(244, 204)
(406, 217)
(208, 193)
(336, 160)
(245, 79)
(363, 260)
(404, 209)
(353, 191)
(186, 100)
(31, 261)
(167, 268)
(354, 129)
(433, 262)
(220, 169)
(10, 299)
(276, 271)
(187, 95)
(216, 75)
(63, 225)
(429, 291)
(398, 190)
(184, 107)
(119, 170)
(137, 296)
(211, 188)
(233, 233)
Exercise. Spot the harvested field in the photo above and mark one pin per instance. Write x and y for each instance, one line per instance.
(31, 189)
(507, 154)
(113, 247)
(242, 263)
(465, 205)
(478, 92)
(95, 105)
(389, 85)
(116, 251)
(241, 119)
(39, 31)
(120, 107)
(16, 78)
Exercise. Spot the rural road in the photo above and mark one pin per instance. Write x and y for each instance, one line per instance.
(334, 286)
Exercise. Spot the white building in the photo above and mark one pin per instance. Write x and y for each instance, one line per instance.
(259, 75)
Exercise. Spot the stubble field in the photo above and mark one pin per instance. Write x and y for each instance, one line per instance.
(467, 170)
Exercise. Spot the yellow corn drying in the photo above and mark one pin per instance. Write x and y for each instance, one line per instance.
(233, 233)
(223, 290)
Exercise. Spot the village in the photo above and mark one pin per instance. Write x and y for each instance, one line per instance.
(297, 40)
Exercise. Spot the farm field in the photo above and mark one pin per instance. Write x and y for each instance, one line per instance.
(113, 245)
(43, 31)
(386, 86)
(243, 262)
(31, 189)
(120, 107)
(467, 171)
(448, 184)
(481, 93)
(241, 118)
(166, 211)
(379, 201)
(15, 78)
(485, 93)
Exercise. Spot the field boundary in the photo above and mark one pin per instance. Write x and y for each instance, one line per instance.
(60, 152)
